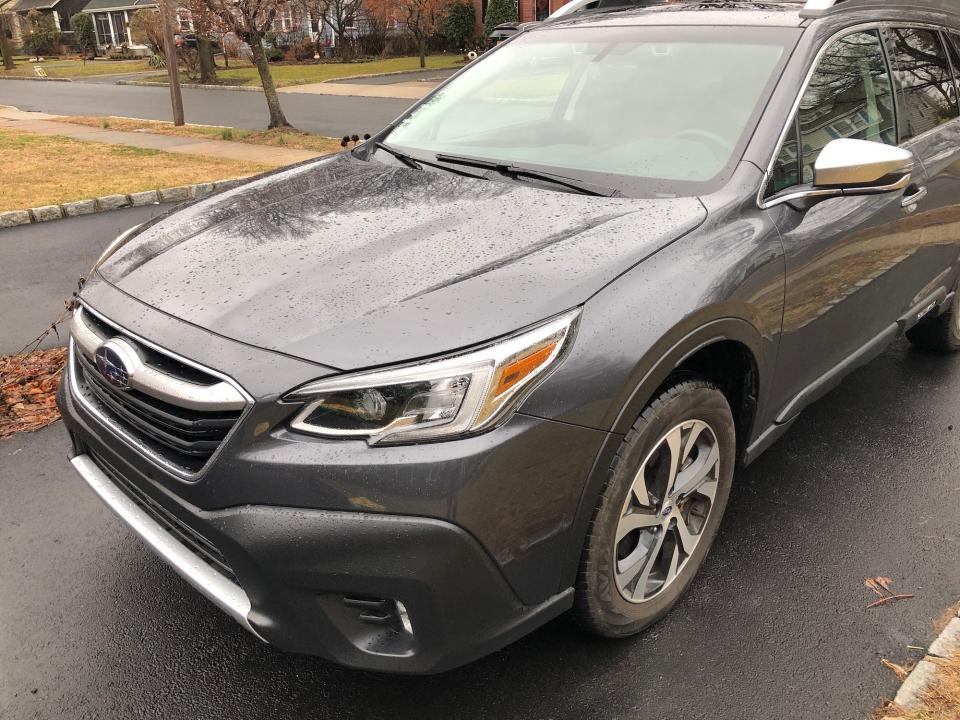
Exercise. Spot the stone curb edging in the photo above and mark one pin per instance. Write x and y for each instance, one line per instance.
(925, 673)
(36, 79)
(189, 86)
(246, 88)
(182, 193)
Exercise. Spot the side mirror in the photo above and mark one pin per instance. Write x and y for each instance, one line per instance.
(851, 168)
(869, 167)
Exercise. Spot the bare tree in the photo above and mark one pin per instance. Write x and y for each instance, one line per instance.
(421, 18)
(341, 16)
(250, 20)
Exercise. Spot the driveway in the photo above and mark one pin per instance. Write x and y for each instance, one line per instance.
(92, 625)
(328, 115)
(42, 263)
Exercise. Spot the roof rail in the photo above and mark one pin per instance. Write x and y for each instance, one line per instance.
(818, 8)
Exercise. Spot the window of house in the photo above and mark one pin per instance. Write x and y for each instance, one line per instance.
(286, 18)
(929, 97)
(184, 20)
(103, 28)
(849, 96)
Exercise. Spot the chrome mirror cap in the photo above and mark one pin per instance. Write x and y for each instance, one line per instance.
(848, 168)
(853, 164)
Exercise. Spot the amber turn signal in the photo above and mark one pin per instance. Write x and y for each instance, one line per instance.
(516, 371)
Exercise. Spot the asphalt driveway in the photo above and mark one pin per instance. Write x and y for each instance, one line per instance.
(867, 483)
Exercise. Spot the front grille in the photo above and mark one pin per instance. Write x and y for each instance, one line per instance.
(184, 438)
(186, 535)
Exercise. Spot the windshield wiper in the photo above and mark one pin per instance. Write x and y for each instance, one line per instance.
(405, 159)
(417, 163)
(518, 171)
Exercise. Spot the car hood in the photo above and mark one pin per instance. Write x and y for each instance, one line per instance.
(354, 264)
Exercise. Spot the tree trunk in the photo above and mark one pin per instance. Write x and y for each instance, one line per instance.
(5, 46)
(208, 68)
(277, 118)
(422, 46)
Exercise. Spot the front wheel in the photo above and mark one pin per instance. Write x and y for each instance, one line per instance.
(659, 511)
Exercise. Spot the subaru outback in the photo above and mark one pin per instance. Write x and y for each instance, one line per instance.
(400, 406)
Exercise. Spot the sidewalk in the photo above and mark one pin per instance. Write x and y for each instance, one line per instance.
(44, 124)
(399, 91)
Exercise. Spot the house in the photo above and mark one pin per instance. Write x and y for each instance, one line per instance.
(111, 21)
(61, 10)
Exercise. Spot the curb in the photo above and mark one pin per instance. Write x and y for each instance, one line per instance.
(925, 673)
(246, 88)
(384, 74)
(182, 193)
(37, 79)
(190, 86)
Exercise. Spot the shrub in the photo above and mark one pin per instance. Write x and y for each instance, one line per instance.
(273, 54)
(157, 61)
(146, 28)
(499, 11)
(43, 35)
(458, 24)
(83, 35)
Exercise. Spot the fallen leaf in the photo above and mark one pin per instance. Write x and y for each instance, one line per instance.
(899, 670)
(28, 389)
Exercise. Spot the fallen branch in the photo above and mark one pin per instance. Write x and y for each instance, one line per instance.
(889, 599)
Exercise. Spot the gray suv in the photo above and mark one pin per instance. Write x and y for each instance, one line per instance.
(400, 406)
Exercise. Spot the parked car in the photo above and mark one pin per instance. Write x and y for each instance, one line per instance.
(501, 32)
(400, 406)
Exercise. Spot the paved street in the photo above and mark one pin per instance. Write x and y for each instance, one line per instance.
(92, 625)
(41, 265)
(328, 115)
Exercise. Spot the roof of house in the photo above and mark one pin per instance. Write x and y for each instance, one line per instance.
(25, 5)
(105, 5)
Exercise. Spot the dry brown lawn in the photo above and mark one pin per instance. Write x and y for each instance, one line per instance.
(941, 701)
(50, 169)
(294, 139)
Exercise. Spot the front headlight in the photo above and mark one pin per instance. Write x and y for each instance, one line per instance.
(439, 399)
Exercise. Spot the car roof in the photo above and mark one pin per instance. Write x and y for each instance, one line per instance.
(693, 12)
(769, 13)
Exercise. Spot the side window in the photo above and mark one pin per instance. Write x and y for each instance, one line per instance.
(849, 96)
(786, 170)
(925, 80)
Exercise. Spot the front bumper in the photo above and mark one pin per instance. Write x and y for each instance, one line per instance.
(368, 590)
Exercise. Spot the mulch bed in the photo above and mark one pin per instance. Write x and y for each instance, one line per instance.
(28, 390)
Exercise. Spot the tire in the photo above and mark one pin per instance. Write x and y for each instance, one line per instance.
(607, 601)
(939, 334)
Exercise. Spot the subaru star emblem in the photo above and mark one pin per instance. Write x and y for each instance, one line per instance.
(112, 366)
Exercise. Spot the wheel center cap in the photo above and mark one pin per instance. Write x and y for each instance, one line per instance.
(666, 511)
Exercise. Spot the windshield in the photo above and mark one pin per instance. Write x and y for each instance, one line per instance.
(662, 110)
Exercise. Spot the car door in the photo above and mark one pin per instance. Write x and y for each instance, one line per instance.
(930, 121)
(854, 265)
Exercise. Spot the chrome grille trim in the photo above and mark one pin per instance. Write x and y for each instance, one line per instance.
(127, 434)
(163, 386)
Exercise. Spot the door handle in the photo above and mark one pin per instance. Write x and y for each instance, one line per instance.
(914, 196)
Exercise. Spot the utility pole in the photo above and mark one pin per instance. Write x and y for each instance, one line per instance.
(167, 16)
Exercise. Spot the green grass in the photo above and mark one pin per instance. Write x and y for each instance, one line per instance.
(76, 68)
(300, 74)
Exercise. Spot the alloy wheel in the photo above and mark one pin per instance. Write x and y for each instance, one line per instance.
(666, 510)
